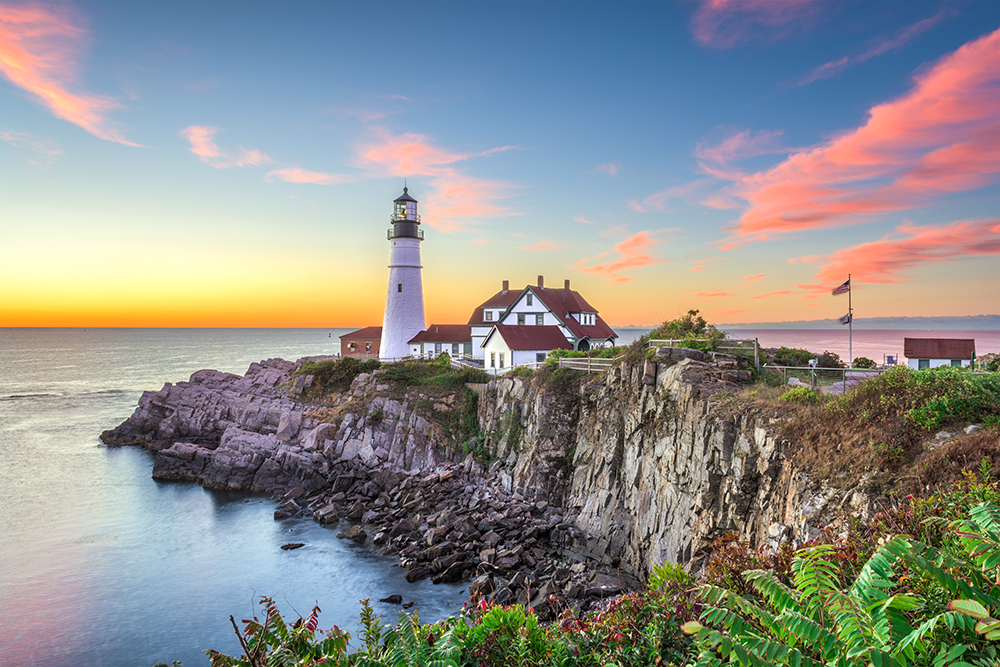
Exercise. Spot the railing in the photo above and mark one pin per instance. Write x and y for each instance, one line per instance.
(723, 345)
(831, 380)
(404, 218)
(390, 235)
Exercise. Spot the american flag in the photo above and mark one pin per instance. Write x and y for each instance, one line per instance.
(843, 289)
(846, 319)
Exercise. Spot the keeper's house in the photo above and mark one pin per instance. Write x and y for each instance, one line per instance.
(522, 327)
(361, 344)
(935, 352)
(455, 339)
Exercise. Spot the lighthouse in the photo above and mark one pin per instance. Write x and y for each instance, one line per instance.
(404, 297)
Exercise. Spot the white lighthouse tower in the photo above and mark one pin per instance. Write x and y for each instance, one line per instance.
(404, 298)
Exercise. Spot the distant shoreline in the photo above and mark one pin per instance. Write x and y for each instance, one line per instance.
(964, 323)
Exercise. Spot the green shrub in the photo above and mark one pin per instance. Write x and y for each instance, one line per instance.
(692, 329)
(863, 362)
(793, 356)
(800, 395)
(336, 374)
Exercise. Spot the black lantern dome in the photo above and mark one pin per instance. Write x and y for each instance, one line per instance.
(405, 218)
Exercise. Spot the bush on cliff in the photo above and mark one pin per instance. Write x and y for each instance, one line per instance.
(333, 375)
(691, 329)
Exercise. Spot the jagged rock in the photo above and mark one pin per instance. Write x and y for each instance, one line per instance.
(355, 534)
(287, 509)
(393, 599)
(292, 545)
(327, 515)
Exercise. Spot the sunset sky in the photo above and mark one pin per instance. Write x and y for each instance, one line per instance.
(233, 164)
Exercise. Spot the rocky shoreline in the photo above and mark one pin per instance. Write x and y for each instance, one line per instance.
(586, 487)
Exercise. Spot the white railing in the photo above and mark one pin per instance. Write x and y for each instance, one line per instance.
(824, 378)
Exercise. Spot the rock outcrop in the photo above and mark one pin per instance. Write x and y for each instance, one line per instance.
(574, 489)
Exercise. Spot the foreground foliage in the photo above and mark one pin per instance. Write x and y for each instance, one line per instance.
(916, 584)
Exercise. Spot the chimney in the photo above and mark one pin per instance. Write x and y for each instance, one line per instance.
(506, 285)
(541, 281)
(567, 284)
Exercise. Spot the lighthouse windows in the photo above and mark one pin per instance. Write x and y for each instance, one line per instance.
(399, 287)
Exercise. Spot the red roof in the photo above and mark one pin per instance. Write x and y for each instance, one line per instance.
(562, 302)
(533, 337)
(444, 333)
(364, 334)
(500, 301)
(939, 348)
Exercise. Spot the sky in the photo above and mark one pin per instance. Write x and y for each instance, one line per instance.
(232, 164)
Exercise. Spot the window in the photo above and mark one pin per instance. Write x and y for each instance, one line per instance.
(437, 349)
(454, 348)
(368, 347)
(956, 362)
(468, 347)
(351, 346)
(399, 287)
(540, 357)
(520, 318)
(539, 319)
(528, 299)
(493, 359)
(489, 316)
(923, 363)
(501, 360)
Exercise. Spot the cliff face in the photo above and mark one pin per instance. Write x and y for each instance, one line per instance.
(647, 463)
(652, 459)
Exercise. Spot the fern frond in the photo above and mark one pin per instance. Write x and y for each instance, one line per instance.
(878, 571)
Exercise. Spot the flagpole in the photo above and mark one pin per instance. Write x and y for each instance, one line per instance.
(850, 325)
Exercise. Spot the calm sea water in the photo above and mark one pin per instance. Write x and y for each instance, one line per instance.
(102, 566)
(874, 344)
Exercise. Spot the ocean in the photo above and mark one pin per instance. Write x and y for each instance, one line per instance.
(100, 565)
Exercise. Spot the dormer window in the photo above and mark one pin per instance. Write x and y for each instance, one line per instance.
(528, 299)
(489, 316)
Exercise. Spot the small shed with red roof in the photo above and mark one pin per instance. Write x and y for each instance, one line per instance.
(934, 352)
(361, 344)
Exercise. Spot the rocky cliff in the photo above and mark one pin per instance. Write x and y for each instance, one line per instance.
(649, 462)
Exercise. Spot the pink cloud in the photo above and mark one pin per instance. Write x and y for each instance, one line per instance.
(768, 295)
(609, 168)
(756, 278)
(296, 175)
(203, 145)
(835, 67)
(724, 23)
(700, 264)
(582, 220)
(39, 49)
(457, 199)
(543, 245)
(632, 253)
(885, 261)
(942, 137)
(713, 294)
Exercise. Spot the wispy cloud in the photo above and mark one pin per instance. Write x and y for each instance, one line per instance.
(39, 51)
(722, 24)
(688, 192)
(887, 260)
(544, 245)
(756, 278)
(296, 175)
(582, 220)
(37, 151)
(632, 253)
(700, 264)
(835, 67)
(714, 294)
(203, 145)
(457, 200)
(609, 168)
(768, 295)
(940, 138)
(741, 145)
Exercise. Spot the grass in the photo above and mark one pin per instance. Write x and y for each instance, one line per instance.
(880, 427)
